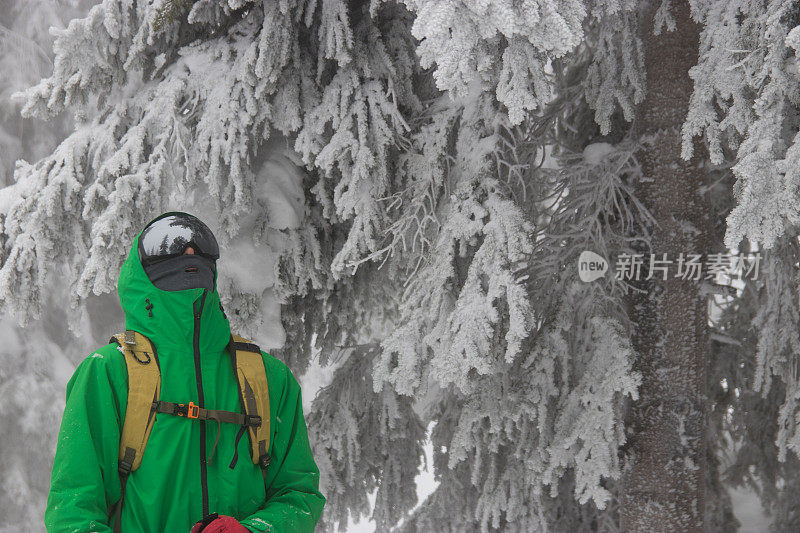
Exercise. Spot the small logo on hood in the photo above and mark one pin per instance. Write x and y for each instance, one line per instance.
(591, 266)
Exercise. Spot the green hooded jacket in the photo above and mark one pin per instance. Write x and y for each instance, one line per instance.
(166, 493)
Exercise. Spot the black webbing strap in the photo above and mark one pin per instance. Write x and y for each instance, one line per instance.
(192, 411)
(124, 468)
(245, 346)
(236, 447)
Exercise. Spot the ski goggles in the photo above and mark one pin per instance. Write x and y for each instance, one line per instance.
(169, 236)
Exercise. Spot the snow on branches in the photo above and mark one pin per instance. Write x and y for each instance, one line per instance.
(163, 110)
(468, 313)
(363, 441)
(744, 105)
(615, 76)
(553, 415)
(745, 86)
(349, 129)
(467, 40)
(486, 235)
(777, 355)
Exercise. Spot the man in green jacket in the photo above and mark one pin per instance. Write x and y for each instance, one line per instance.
(185, 474)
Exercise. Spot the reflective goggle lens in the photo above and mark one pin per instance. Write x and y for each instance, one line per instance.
(169, 236)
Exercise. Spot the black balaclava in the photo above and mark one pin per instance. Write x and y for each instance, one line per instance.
(161, 250)
(184, 272)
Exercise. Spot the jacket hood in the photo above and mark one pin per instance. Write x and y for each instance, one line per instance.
(167, 318)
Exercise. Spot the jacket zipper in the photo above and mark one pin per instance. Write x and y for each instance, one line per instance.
(201, 403)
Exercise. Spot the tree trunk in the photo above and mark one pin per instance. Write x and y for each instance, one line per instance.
(663, 490)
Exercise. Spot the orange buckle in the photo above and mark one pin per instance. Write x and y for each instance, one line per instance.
(189, 411)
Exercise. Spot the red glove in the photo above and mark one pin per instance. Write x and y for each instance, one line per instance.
(223, 524)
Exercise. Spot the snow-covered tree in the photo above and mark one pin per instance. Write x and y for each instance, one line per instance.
(744, 105)
(26, 55)
(402, 189)
(35, 362)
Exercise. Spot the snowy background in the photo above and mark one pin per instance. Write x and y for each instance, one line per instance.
(401, 190)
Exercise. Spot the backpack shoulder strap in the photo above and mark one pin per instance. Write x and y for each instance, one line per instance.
(144, 387)
(251, 377)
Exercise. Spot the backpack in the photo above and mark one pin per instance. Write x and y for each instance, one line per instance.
(144, 388)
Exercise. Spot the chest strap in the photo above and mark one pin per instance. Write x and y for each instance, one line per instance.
(195, 412)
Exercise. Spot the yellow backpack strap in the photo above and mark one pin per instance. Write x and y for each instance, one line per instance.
(251, 378)
(144, 388)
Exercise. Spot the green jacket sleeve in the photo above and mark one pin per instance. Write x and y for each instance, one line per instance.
(84, 471)
(293, 503)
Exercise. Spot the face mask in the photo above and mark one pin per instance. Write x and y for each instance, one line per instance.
(182, 272)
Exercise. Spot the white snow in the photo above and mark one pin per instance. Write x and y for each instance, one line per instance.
(594, 153)
(748, 510)
(281, 189)
(249, 265)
